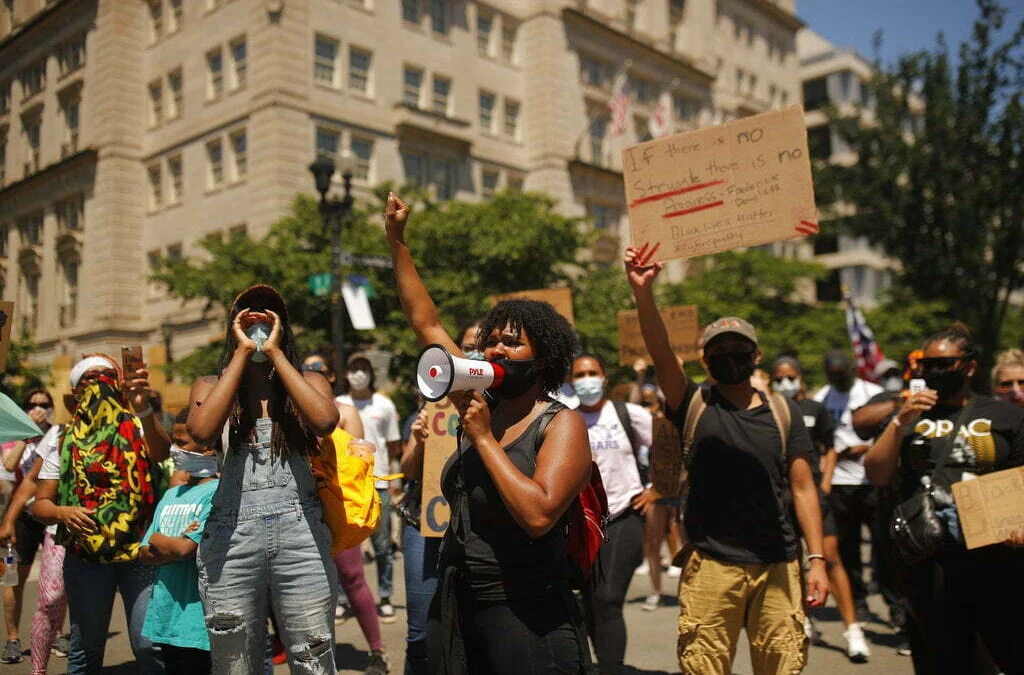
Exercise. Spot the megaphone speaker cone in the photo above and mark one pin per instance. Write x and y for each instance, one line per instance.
(438, 373)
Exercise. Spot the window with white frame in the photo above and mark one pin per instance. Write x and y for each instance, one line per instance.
(488, 183)
(511, 119)
(156, 20)
(484, 29)
(362, 154)
(214, 164)
(360, 61)
(327, 142)
(239, 62)
(439, 16)
(411, 11)
(239, 155)
(156, 188)
(487, 112)
(508, 40)
(325, 61)
(176, 104)
(174, 18)
(156, 103)
(214, 74)
(441, 95)
(412, 83)
(175, 182)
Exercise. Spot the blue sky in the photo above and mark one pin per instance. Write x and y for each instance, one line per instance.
(907, 25)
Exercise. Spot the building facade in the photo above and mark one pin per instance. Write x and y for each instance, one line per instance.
(130, 129)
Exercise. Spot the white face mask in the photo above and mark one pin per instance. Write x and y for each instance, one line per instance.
(358, 379)
(893, 384)
(195, 464)
(258, 333)
(787, 386)
(589, 389)
(47, 411)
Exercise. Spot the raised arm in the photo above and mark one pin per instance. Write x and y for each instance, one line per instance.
(412, 455)
(140, 396)
(349, 420)
(417, 304)
(311, 392)
(641, 272)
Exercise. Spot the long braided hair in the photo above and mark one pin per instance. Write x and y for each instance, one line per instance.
(290, 433)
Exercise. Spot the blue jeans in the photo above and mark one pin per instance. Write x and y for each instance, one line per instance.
(90, 588)
(420, 555)
(381, 541)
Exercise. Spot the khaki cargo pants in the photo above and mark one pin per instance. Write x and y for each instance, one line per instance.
(717, 599)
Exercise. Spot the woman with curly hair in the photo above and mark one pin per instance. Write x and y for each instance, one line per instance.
(265, 540)
(504, 603)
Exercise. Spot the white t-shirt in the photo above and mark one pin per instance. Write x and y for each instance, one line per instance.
(380, 425)
(48, 449)
(609, 446)
(850, 470)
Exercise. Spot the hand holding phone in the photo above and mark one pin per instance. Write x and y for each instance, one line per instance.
(917, 385)
(131, 361)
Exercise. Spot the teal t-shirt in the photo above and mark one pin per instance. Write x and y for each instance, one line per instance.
(175, 613)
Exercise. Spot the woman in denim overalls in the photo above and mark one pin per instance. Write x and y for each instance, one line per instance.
(265, 541)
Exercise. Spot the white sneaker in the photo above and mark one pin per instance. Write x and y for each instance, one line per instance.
(673, 572)
(856, 646)
(651, 603)
(643, 569)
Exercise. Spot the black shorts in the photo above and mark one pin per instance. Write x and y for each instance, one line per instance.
(828, 518)
(30, 533)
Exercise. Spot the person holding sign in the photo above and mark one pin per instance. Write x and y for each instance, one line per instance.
(740, 566)
(504, 604)
(939, 436)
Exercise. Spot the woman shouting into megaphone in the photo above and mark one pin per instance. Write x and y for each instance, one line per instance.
(504, 603)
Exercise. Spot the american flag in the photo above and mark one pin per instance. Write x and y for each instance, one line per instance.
(661, 119)
(868, 353)
(618, 106)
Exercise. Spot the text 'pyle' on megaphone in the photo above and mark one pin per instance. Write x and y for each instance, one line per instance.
(439, 373)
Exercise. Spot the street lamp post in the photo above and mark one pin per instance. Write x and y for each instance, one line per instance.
(334, 213)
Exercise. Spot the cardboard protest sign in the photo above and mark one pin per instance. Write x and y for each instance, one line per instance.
(559, 298)
(6, 322)
(739, 184)
(666, 458)
(683, 331)
(442, 421)
(990, 507)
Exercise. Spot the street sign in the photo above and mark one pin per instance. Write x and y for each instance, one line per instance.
(321, 284)
(378, 261)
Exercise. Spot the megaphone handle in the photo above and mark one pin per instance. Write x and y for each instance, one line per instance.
(492, 400)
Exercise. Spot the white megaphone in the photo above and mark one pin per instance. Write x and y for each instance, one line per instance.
(438, 373)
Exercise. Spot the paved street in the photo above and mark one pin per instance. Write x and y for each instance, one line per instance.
(651, 640)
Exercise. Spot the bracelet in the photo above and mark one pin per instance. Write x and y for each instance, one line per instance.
(145, 413)
(896, 422)
(819, 556)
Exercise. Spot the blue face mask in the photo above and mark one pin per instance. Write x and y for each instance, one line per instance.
(258, 333)
(589, 389)
(475, 355)
(196, 464)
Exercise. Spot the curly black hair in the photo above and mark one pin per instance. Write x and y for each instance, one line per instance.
(555, 343)
(960, 335)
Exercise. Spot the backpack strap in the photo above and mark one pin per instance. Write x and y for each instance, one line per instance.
(694, 409)
(623, 412)
(783, 418)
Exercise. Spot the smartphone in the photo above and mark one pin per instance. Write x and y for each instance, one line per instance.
(917, 385)
(131, 360)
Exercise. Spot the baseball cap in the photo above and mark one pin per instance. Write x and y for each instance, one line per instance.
(259, 297)
(729, 324)
(885, 365)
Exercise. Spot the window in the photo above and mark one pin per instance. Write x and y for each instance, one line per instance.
(442, 90)
(174, 20)
(508, 42)
(176, 105)
(69, 111)
(675, 11)
(30, 300)
(686, 109)
(174, 252)
(31, 229)
(411, 11)
(512, 120)
(3, 158)
(71, 56)
(156, 106)
(815, 93)
(439, 16)
(515, 183)
(5, 98)
(487, 112)
(362, 152)
(752, 86)
(70, 213)
(240, 163)
(488, 183)
(442, 176)
(33, 79)
(597, 132)
(603, 216)
(175, 184)
(359, 62)
(484, 27)
(215, 74)
(238, 62)
(740, 78)
(4, 235)
(214, 165)
(592, 71)
(412, 79)
(156, 20)
(33, 129)
(819, 142)
(644, 90)
(415, 167)
(69, 292)
(156, 191)
(327, 142)
(325, 60)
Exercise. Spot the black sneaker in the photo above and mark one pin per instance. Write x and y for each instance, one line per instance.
(61, 647)
(343, 612)
(385, 611)
(12, 652)
(379, 664)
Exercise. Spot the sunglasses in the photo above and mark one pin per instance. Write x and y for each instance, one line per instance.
(314, 368)
(939, 362)
(44, 406)
(1008, 384)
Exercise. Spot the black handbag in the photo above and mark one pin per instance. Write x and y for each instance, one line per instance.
(917, 531)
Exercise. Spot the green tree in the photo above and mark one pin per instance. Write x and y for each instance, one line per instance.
(20, 375)
(939, 175)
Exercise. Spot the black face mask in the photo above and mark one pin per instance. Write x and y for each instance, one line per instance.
(841, 382)
(731, 367)
(520, 375)
(946, 383)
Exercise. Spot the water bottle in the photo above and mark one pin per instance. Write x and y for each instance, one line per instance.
(10, 567)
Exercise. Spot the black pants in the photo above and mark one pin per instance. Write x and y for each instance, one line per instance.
(606, 592)
(853, 507)
(185, 661)
(960, 594)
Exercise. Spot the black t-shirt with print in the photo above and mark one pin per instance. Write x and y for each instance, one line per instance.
(738, 510)
(992, 440)
(822, 428)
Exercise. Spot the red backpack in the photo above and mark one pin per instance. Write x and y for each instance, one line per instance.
(585, 532)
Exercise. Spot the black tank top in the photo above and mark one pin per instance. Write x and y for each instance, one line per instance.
(497, 556)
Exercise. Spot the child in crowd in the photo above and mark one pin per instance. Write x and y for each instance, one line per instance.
(174, 618)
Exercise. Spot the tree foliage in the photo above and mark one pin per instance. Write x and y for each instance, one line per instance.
(939, 176)
(21, 375)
